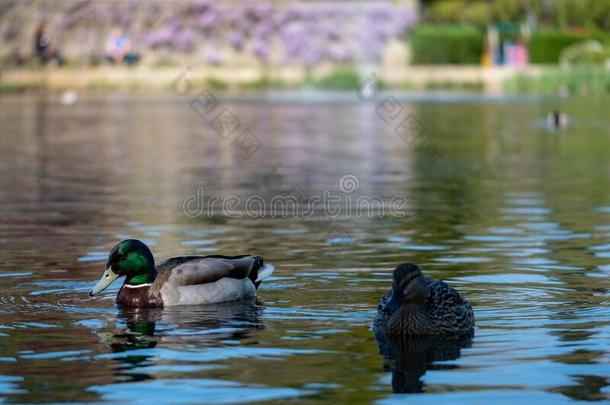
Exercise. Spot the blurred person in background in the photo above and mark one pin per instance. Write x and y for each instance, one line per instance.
(518, 55)
(118, 48)
(42, 46)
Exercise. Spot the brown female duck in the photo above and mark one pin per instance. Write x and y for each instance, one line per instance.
(421, 306)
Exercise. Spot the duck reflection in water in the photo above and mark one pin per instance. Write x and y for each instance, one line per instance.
(409, 357)
(209, 326)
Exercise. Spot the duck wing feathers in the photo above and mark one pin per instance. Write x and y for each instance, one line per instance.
(194, 270)
(193, 280)
(447, 307)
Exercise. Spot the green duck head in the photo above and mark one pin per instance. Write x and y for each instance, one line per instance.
(408, 287)
(130, 258)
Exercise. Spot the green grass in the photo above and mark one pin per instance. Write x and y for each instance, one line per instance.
(406, 85)
(450, 85)
(166, 63)
(263, 83)
(345, 78)
(215, 83)
(103, 84)
(8, 88)
(581, 80)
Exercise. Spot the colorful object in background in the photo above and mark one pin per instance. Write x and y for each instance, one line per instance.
(118, 48)
(518, 56)
(501, 49)
(493, 45)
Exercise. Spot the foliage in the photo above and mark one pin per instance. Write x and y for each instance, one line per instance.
(546, 46)
(581, 80)
(446, 44)
(562, 14)
(589, 52)
(475, 12)
(589, 14)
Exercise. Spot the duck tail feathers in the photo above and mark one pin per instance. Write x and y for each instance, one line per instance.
(264, 272)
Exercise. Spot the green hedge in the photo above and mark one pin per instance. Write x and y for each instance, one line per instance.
(436, 44)
(546, 46)
(446, 44)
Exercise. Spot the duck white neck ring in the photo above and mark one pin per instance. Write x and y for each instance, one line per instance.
(138, 286)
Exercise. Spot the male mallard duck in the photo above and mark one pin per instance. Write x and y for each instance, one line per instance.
(184, 280)
(421, 306)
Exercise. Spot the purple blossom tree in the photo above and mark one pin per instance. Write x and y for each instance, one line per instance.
(292, 32)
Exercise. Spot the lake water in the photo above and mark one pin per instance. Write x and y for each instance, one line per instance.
(516, 216)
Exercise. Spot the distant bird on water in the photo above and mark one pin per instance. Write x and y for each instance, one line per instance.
(68, 97)
(557, 120)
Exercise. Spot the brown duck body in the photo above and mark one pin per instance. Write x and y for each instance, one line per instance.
(139, 297)
(191, 280)
(443, 312)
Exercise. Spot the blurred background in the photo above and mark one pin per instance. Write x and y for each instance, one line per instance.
(124, 119)
(495, 45)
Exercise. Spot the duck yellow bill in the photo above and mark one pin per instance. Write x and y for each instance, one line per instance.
(107, 278)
